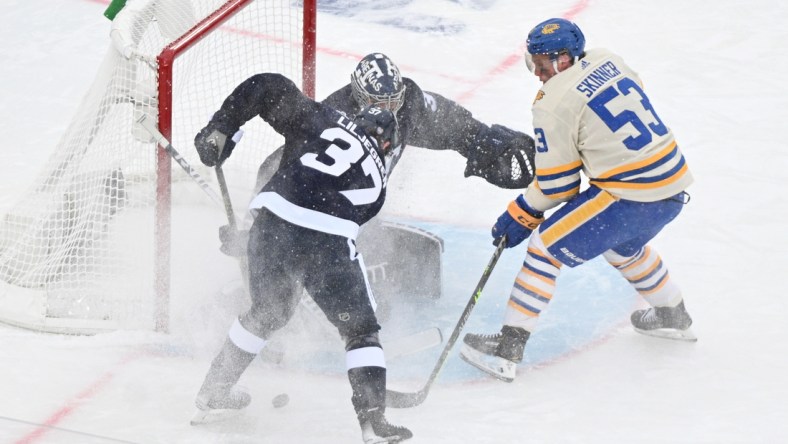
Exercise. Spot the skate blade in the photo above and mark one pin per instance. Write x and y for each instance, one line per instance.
(382, 440)
(670, 333)
(496, 367)
(369, 437)
(211, 416)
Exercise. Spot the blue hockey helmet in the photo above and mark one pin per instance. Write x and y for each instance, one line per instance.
(556, 36)
(377, 81)
(381, 124)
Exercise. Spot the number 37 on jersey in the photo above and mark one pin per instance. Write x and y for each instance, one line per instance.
(356, 152)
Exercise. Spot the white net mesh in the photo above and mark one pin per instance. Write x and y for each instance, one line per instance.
(77, 250)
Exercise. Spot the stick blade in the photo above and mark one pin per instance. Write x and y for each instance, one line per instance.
(402, 400)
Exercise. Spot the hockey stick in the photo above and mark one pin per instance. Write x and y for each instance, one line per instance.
(401, 400)
(164, 143)
(228, 206)
(228, 209)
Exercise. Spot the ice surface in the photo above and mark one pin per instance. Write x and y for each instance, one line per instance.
(715, 71)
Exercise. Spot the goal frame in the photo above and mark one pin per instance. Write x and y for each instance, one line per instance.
(166, 60)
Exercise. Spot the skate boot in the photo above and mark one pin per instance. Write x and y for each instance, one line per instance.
(234, 399)
(375, 428)
(369, 397)
(497, 354)
(218, 398)
(213, 407)
(664, 322)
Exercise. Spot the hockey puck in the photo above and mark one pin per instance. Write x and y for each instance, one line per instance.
(280, 400)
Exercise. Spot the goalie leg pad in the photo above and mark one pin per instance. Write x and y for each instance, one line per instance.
(401, 260)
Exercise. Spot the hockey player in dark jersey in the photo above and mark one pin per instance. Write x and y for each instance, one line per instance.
(307, 217)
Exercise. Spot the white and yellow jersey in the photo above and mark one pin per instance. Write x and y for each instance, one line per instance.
(596, 118)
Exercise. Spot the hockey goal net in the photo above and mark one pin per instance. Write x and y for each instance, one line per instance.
(87, 247)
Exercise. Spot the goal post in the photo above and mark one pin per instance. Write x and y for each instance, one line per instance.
(166, 62)
(87, 247)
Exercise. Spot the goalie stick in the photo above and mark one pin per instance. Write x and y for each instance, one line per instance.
(401, 400)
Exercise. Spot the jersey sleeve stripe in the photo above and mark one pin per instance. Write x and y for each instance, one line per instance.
(560, 189)
(564, 195)
(560, 171)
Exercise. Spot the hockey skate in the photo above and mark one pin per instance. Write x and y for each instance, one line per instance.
(664, 322)
(213, 408)
(497, 354)
(375, 429)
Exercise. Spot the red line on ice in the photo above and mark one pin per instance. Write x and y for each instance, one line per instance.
(515, 57)
(71, 405)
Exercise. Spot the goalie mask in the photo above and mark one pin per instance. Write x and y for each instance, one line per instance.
(380, 124)
(377, 81)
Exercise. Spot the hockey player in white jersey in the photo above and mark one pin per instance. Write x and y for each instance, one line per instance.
(591, 115)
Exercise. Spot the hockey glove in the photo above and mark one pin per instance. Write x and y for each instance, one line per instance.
(502, 157)
(213, 146)
(517, 223)
(234, 241)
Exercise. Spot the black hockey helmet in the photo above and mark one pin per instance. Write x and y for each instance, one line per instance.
(381, 124)
(377, 81)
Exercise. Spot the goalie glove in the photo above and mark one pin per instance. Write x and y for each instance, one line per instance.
(517, 223)
(213, 146)
(502, 157)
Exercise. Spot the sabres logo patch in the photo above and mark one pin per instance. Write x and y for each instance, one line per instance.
(550, 28)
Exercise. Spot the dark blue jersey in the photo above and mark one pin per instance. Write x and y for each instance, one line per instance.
(334, 178)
